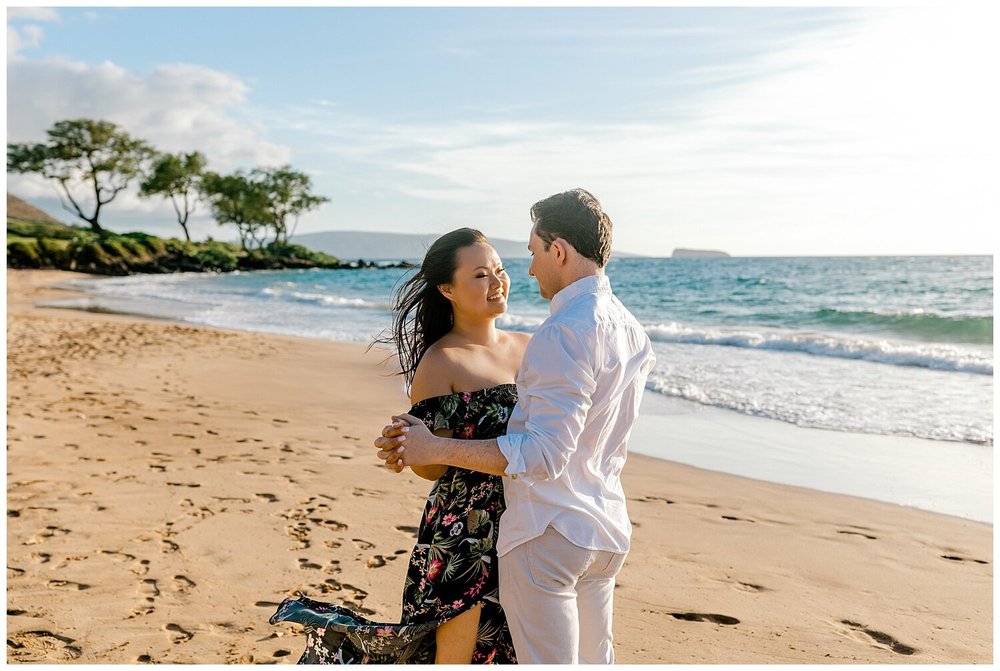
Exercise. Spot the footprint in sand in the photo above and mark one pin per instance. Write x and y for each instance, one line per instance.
(270, 498)
(651, 499)
(149, 589)
(45, 534)
(409, 530)
(179, 633)
(706, 617)
(362, 544)
(962, 559)
(881, 638)
(306, 564)
(358, 595)
(737, 519)
(333, 525)
(67, 584)
(857, 533)
(41, 646)
(183, 584)
(266, 604)
(378, 561)
(300, 532)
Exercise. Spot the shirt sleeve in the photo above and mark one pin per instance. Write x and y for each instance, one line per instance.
(558, 379)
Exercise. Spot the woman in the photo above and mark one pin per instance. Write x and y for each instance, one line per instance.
(460, 370)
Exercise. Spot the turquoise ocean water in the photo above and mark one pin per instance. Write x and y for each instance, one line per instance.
(881, 345)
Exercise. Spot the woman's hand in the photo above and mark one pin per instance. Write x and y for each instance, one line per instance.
(418, 438)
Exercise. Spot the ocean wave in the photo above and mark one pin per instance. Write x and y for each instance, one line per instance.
(516, 323)
(915, 323)
(323, 299)
(813, 416)
(936, 357)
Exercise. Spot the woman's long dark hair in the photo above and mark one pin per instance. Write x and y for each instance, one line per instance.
(421, 315)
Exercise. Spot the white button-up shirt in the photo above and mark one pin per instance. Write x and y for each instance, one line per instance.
(578, 392)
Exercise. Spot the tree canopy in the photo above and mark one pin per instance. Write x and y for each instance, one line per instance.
(95, 157)
(101, 160)
(177, 177)
(239, 200)
(287, 197)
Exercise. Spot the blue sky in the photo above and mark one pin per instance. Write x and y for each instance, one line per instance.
(783, 131)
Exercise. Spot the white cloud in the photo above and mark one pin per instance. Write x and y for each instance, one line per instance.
(21, 38)
(175, 107)
(32, 14)
(874, 137)
(29, 35)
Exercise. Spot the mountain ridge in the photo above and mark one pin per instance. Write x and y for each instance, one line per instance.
(348, 245)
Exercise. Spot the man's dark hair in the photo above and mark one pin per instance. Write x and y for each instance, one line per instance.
(576, 217)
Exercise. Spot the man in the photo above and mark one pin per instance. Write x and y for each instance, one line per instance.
(565, 533)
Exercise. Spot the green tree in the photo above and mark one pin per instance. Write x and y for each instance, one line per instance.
(288, 196)
(177, 177)
(239, 200)
(97, 157)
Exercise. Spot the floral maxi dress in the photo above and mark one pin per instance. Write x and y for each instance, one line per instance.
(453, 566)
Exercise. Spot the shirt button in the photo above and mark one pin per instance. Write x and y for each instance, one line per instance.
(514, 476)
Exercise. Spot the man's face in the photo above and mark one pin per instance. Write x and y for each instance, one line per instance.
(542, 266)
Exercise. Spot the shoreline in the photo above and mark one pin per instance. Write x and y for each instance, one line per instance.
(168, 485)
(854, 464)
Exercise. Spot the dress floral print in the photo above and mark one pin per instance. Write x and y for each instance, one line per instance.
(453, 566)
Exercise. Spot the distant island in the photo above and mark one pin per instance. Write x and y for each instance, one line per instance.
(681, 253)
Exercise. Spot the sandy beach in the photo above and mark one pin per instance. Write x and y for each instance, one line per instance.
(168, 485)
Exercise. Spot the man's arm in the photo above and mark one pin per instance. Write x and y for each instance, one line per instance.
(413, 444)
(558, 376)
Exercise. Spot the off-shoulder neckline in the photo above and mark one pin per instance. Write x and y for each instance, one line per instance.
(459, 393)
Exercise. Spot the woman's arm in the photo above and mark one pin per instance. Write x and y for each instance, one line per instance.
(431, 379)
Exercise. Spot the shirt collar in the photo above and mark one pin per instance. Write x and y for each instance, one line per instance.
(591, 284)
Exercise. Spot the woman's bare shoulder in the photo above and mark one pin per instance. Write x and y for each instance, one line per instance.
(435, 374)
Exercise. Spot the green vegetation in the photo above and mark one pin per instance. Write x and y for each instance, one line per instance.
(51, 245)
(93, 161)
(96, 157)
(177, 177)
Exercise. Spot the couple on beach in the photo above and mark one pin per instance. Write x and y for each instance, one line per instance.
(525, 528)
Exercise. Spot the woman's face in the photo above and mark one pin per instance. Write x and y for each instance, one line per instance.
(479, 285)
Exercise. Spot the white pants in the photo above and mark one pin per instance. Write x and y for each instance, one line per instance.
(558, 599)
